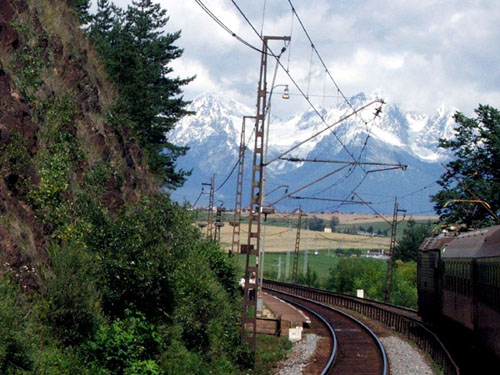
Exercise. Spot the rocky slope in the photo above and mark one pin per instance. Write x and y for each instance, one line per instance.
(46, 61)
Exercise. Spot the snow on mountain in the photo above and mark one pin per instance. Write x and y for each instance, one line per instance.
(213, 135)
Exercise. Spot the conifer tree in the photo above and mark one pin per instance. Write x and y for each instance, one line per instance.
(137, 53)
(413, 236)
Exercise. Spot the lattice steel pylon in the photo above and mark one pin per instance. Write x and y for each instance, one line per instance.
(390, 263)
(210, 213)
(218, 224)
(249, 308)
(297, 248)
(235, 243)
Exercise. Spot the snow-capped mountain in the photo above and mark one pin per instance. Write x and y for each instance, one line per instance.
(213, 135)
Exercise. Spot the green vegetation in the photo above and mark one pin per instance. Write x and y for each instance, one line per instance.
(137, 54)
(476, 148)
(122, 294)
(413, 236)
(341, 272)
(125, 286)
(270, 350)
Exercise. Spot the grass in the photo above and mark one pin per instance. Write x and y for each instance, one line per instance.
(320, 263)
(270, 350)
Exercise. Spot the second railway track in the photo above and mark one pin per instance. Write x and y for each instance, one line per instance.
(357, 349)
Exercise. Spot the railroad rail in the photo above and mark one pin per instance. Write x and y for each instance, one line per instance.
(404, 321)
(356, 349)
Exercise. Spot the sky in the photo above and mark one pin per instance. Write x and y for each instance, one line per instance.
(420, 55)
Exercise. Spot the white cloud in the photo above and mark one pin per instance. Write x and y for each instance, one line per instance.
(422, 54)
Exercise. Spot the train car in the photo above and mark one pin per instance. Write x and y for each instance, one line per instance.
(465, 283)
(429, 274)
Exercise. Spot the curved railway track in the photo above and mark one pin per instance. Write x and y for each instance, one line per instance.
(355, 348)
(404, 321)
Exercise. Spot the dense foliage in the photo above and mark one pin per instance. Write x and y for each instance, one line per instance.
(137, 54)
(413, 235)
(128, 286)
(351, 274)
(476, 151)
(139, 294)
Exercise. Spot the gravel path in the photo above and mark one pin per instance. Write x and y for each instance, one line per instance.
(301, 352)
(404, 359)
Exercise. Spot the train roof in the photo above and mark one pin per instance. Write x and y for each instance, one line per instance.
(437, 242)
(481, 243)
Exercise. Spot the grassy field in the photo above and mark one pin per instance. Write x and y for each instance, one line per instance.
(320, 263)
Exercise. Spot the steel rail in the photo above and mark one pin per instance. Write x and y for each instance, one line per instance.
(399, 319)
(333, 354)
(358, 322)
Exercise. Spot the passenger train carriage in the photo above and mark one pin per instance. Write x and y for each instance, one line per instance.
(459, 278)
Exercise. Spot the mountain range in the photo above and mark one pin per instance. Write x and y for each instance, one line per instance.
(392, 137)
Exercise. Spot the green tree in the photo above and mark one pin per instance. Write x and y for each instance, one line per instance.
(476, 148)
(413, 236)
(137, 54)
(334, 221)
(350, 274)
(316, 224)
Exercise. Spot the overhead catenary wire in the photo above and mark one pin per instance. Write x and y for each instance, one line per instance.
(307, 98)
(328, 73)
(235, 165)
(271, 53)
(313, 107)
(227, 29)
(199, 196)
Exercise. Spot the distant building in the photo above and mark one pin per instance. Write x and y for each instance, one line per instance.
(328, 230)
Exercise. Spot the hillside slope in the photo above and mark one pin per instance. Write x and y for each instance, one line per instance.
(99, 272)
(48, 70)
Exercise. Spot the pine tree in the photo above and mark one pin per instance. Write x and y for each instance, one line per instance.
(102, 20)
(476, 148)
(137, 53)
(413, 236)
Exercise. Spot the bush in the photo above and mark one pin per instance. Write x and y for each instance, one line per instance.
(15, 353)
(127, 346)
(351, 274)
(404, 292)
(73, 301)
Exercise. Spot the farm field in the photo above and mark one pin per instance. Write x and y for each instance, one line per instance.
(281, 239)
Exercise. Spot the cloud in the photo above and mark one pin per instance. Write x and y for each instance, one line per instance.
(422, 54)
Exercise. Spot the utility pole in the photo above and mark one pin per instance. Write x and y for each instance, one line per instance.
(390, 264)
(297, 247)
(218, 223)
(249, 310)
(235, 243)
(289, 247)
(210, 207)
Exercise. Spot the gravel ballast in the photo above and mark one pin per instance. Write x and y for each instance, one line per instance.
(301, 352)
(403, 358)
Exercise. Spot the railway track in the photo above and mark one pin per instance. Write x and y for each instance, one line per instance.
(355, 348)
(397, 319)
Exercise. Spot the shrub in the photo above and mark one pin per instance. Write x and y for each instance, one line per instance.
(351, 274)
(15, 354)
(127, 346)
(73, 309)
